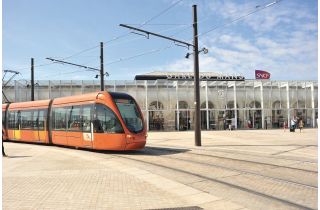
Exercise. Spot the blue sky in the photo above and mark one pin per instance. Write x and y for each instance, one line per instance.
(281, 39)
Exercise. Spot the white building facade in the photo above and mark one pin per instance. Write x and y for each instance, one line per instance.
(168, 104)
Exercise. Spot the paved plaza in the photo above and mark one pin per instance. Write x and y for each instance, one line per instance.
(244, 169)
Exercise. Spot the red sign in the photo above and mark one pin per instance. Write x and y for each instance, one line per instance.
(262, 74)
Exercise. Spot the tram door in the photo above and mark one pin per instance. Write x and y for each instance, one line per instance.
(41, 125)
(74, 134)
(60, 134)
(87, 126)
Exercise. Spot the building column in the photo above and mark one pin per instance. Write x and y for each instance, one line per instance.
(177, 106)
(235, 106)
(59, 88)
(312, 106)
(49, 87)
(262, 107)
(207, 106)
(71, 88)
(81, 89)
(288, 102)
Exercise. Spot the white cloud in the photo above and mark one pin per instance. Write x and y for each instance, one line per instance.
(281, 39)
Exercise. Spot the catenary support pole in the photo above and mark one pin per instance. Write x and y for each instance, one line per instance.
(32, 79)
(101, 68)
(197, 124)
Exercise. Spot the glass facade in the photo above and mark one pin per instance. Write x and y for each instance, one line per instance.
(168, 105)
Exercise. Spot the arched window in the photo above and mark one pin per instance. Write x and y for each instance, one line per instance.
(230, 105)
(276, 105)
(156, 119)
(183, 105)
(255, 104)
(210, 105)
(156, 105)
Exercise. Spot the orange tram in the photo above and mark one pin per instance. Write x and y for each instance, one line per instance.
(100, 121)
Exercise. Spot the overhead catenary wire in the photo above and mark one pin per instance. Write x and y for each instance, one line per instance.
(123, 35)
(139, 55)
(145, 22)
(167, 47)
(79, 53)
(258, 8)
(160, 24)
(184, 25)
(109, 41)
(208, 16)
(70, 72)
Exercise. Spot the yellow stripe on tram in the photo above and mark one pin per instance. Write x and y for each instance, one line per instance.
(17, 134)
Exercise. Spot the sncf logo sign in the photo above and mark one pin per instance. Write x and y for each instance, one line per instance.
(262, 74)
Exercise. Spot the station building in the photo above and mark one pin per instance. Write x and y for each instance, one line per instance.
(167, 99)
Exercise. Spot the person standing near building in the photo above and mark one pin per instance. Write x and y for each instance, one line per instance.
(266, 124)
(293, 124)
(301, 124)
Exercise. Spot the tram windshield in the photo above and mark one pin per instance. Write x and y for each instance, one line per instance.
(130, 114)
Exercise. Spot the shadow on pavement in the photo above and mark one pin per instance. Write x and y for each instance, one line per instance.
(150, 151)
(7, 156)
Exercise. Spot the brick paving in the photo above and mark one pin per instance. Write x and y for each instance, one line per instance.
(160, 177)
(40, 177)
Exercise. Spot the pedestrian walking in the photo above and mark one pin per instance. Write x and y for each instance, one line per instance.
(285, 126)
(301, 124)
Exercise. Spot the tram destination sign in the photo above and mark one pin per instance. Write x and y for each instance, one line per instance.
(189, 76)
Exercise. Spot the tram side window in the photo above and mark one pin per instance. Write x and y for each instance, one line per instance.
(74, 118)
(26, 119)
(35, 119)
(86, 118)
(105, 120)
(11, 120)
(60, 119)
(17, 120)
(39, 119)
(42, 119)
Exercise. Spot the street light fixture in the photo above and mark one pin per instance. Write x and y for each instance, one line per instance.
(105, 74)
(204, 50)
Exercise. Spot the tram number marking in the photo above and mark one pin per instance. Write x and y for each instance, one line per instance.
(87, 137)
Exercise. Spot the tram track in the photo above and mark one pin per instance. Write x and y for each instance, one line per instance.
(223, 150)
(177, 168)
(238, 170)
(170, 150)
(165, 158)
(272, 197)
